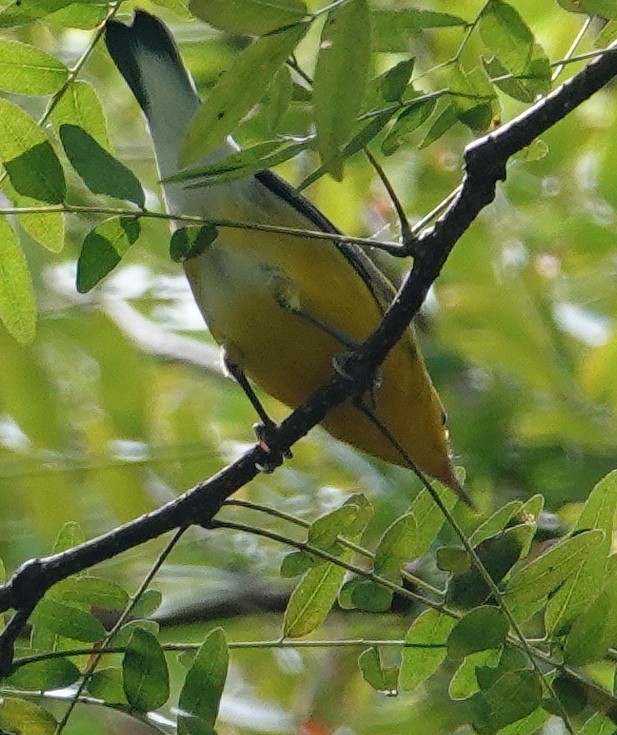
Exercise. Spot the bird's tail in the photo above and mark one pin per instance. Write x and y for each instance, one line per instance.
(147, 57)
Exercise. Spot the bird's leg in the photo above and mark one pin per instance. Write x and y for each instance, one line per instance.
(265, 429)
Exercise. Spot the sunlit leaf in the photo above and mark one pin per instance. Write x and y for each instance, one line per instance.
(69, 535)
(394, 29)
(18, 12)
(507, 35)
(17, 303)
(341, 76)
(30, 162)
(238, 91)
(249, 17)
(81, 106)
(27, 70)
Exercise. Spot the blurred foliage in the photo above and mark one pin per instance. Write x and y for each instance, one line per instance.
(98, 426)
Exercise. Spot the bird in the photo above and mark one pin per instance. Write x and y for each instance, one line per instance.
(284, 309)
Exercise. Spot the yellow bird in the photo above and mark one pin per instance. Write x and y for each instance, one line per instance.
(282, 307)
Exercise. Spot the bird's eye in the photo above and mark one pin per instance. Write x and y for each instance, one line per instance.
(444, 418)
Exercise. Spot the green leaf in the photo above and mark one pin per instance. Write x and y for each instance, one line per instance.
(148, 603)
(602, 8)
(443, 122)
(429, 518)
(481, 628)
(464, 682)
(279, 99)
(249, 17)
(429, 633)
(507, 35)
(191, 242)
(103, 249)
(312, 599)
(599, 510)
(496, 522)
(299, 562)
(452, 559)
(407, 122)
(30, 161)
(19, 716)
(47, 228)
(122, 638)
(27, 70)
(81, 106)
(238, 91)
(54, 673)
(106, 684)
(498, 554)
(90, 592)
(473, 98)
(201, 693)
(393, 29)
(607, 35)
(511, 659)
(583, 586)
(530, 725)
(79, 15)
(396, 547)
(365, 133)
(17, 302)
(348, 520)
(98, 169)
(394, 82)
(598, 724)
(145, 677)
(594, 631)
(534, 80)
(240, 164)
(382, 679)
(69, 621)
(70, 535)
(366, 595)
(18, 12)
(514, 696)
(544, 574)
(340, 81)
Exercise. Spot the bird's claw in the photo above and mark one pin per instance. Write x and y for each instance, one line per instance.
(266, 433)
